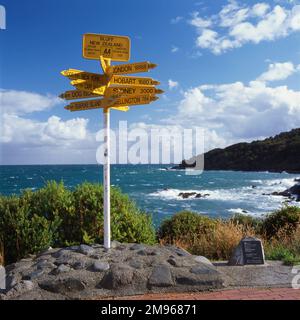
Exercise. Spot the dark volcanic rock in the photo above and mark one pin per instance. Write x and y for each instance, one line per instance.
(118, 276)
(85, 249)
(137, 268)
(62, 285)
(292, 193)
(161, 277)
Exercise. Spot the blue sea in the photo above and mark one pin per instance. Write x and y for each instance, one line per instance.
(156, 190)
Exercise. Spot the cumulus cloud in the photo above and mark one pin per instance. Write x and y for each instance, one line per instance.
(278, 71)
(54, 131)
(238, 111)
(237, 24)
(28, 140)
(22, 102)
(172, 84)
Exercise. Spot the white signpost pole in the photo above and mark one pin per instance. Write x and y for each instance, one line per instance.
(106, 178)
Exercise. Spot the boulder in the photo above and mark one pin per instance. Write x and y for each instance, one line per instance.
(85, 249)
(118, 276)
(63, 286)
(161, 277)
(100, 266)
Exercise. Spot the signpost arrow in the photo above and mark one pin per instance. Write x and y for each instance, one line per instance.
(136, 81)
(136, 100)
(130, 68)
(75, 74)
(77, 94)
(90, 104)
(132, 91)
(92, 87)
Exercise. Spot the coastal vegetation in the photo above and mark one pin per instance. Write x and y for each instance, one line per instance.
(273, 154)
(56, 216)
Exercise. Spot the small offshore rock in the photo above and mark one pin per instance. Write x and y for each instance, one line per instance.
(85, 249)
(100, 266)
(161, 277)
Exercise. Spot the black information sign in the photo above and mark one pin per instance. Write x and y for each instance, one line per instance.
(253, 251)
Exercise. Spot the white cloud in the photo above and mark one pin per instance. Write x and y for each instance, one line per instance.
(277, 71)
(174, 49)
(28, 140)
(176, 19)
(54, 131)
(22, 102)
(238, 111)
(172, 84)
(199, 22)
(236, 25)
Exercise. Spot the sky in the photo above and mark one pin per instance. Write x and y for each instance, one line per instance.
(229, 67)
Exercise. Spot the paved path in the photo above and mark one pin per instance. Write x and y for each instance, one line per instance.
(235, 294)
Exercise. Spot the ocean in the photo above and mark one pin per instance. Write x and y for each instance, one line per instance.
(156, 190)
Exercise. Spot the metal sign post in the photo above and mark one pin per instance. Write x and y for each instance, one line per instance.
(106, 178)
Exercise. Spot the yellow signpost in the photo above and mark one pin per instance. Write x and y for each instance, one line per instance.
(94, 87)
(136, 81)
(75, 74)
(131, 68)
(119, 93)
(77, 94)
(131, 91)
(108, 46)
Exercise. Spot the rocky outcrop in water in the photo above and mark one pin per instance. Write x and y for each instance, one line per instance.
(292, 193)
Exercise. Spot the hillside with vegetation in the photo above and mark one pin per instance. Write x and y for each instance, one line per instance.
(274, 154)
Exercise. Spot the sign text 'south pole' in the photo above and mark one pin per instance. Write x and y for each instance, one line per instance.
(106, 178)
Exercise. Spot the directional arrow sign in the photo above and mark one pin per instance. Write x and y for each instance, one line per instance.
(75, 74)
(145, 99)
(93, 87)
(131, 91)
(108, 46)
(136, 81)
(77, 94)
(125, 108)
(90, 104)
(130, 68)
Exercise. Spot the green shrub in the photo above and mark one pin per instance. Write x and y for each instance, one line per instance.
(58, 217)
(185, 225)
(283, 253)
(287, 219)
(21, 231)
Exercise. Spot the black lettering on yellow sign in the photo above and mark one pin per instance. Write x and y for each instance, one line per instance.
(106, 51)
